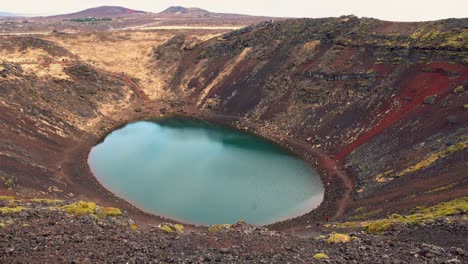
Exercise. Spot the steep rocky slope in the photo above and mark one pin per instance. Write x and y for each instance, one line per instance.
(380, 108)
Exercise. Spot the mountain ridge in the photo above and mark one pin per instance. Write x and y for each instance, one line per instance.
(99, 12)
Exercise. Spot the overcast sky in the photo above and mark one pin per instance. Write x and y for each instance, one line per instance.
(396, 10)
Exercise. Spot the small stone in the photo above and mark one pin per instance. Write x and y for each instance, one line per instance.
(430, 99)
(224, 250)
(452, 120)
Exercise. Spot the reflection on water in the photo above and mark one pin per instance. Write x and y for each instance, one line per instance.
(199, 173)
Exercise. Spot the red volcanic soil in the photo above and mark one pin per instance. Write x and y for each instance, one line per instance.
(422, 81)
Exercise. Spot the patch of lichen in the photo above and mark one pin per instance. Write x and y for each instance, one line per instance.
(320, 256)
(46, 201)
(453, 207)
(7, 198)
(216, 228)
(455, 38)
(433, 157)
(458, 89)
(378, 227)
(133, 227)
(90, 208)
(338, 238)
(6, 223)
(8, 210)
(179, 228)
(167, 229)
(382, 177)
(417, 216)
(80, 208)
(108, 211)
(442, 188)
(172, 228)
(6, 181)
(365, 215)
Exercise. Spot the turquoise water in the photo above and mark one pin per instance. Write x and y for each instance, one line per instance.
(199, 173)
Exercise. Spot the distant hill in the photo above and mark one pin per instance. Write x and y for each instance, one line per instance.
(99, 12)
(180, 10)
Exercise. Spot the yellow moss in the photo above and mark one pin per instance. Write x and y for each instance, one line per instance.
(416, 34)
(7, 210)
(338, 238)
(359, 209)
(457, 206)
(445, 187)
(134, 227)
(216, 228)
(433, 157)
(7, 198)
(422, 164)
(365, 215)
(320, 256)
(382, 177)
(54, 189)
(378, 227)
(2, 225)
(108, 211)
(179, 228)
(90, 208)
(455, 39)
(80, 208)
(47, 201)
(167, 229)
(8, 182)
(458, 89)
(418, 216)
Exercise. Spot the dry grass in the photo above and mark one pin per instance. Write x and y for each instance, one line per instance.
(32, 61)
(123, 52)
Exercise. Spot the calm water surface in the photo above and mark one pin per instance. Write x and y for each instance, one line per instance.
(199, 173)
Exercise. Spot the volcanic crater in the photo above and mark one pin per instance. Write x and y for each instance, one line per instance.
(378, 108)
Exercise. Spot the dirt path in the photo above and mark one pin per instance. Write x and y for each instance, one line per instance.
(332, 170)
(125, 78)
